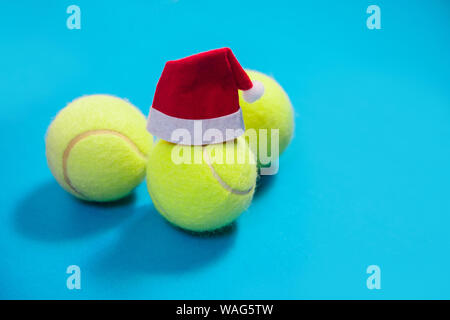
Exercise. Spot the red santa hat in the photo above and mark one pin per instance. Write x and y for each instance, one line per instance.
(201, 92)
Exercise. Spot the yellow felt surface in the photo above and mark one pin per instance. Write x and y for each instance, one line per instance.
(101, 166)
(189, 195)
(272, 111)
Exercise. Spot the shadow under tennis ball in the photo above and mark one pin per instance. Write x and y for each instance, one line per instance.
(263, 184)
(49, 213)
(152, 245)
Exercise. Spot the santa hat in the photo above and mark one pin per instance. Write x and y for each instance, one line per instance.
(201, 92)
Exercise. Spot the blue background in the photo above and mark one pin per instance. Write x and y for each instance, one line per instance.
(366, 179)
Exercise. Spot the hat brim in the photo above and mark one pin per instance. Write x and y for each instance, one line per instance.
(195, 131)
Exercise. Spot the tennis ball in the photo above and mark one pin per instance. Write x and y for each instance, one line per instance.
(206, 190)
(272, 111)
(97, 147)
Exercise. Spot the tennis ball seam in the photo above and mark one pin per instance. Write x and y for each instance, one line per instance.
(220, 180)
(215, 175)
(86, 134)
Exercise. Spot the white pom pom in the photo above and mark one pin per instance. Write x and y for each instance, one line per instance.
(254, 93)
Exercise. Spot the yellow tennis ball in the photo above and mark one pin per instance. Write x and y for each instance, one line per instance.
(97, 147)
(272, 111)
(201, 188)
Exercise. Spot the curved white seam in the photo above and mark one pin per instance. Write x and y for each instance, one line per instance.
(86, 134)
(220, 180)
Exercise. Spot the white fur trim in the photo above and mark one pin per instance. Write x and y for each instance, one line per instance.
(164, 126)
(254, 93)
